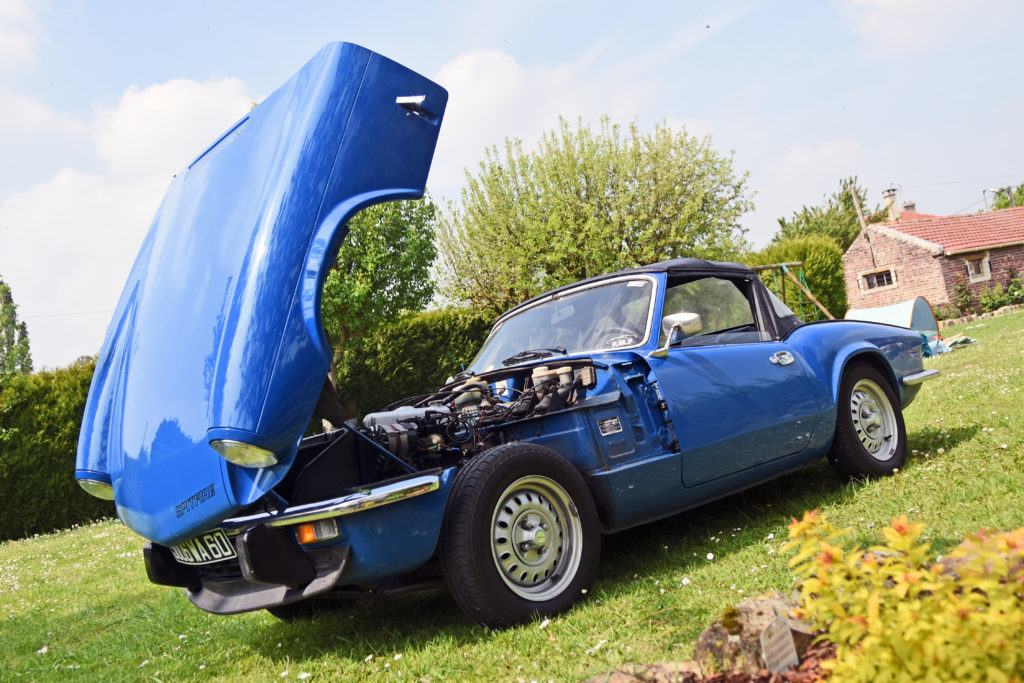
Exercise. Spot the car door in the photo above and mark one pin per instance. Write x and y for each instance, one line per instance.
(737, 399)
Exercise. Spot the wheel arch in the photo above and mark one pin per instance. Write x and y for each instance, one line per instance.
(866, 354)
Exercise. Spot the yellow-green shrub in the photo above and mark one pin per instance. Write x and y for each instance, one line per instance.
(896, 615)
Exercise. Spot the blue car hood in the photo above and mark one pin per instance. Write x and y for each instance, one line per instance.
(217, 334)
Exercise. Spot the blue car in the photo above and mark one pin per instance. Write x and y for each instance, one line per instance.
(593, 408)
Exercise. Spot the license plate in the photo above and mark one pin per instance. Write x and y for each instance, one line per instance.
(213, 546)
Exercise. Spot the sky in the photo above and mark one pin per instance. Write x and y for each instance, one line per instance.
(102, 102)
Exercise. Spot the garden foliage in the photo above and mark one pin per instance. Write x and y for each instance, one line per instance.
(413, 355)
(895, 614)
(40, 417)
(823, 270)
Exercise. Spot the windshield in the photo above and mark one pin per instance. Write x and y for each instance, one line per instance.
(608, 316)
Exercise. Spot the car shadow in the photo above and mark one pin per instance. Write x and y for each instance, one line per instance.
(364, 626)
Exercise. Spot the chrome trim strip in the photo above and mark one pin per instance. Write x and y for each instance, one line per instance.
(918, 377)
(364, 499)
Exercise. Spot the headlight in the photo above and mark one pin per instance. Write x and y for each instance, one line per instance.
(100, 489)
(244, 454)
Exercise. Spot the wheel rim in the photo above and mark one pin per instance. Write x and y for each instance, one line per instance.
(536, 538)
(874, 420)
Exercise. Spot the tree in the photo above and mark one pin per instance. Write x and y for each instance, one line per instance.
(1001, 199)
(823, 270)
(382, 269)
(835, 218)
(586, 203)
(15, 357)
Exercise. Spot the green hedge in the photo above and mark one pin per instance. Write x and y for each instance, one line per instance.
(40, 416)
(823, 270)
(411, 356)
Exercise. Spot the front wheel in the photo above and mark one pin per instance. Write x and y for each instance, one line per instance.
(871, 437)
(520, 535)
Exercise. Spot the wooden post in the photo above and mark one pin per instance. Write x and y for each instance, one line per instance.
(809, 295)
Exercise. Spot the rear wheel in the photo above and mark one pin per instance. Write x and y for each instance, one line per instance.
(520, 535)
(871, 437)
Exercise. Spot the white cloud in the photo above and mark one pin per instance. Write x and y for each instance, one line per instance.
(492, 97)
(21, 114)
(67, 244)
(161, 128)
(803, 176)
(912, 24)
(18, 29)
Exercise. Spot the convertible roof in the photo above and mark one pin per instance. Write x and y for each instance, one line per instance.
(674, 267)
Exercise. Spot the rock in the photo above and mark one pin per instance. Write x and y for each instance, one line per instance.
(733, 641)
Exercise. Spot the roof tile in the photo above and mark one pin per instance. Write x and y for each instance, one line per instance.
(967, 232)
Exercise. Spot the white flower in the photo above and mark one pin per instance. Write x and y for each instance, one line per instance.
(711, 556)
(685, 581)
(369, 658)
(304, 675)
(398, 656)
(43, 650)
(545, 623)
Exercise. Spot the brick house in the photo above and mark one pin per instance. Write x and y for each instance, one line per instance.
(923, 255)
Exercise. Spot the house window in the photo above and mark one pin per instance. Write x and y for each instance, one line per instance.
(978, 267)
(878, 279)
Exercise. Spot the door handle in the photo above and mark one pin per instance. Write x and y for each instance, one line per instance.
(781, 358)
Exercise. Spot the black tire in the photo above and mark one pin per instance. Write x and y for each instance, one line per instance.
(871, 437)
(520, 536)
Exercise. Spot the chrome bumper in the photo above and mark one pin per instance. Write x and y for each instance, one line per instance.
(364, 499)
(918, 377)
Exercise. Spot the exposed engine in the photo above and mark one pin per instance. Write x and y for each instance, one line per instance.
(459, 420)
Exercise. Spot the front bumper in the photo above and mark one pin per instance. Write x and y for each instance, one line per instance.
(385, 530)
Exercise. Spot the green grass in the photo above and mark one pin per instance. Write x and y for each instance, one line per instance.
(82, 594)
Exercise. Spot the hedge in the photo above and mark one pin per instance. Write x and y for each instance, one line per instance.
(823, 270)
(40, 416)
(411, 356)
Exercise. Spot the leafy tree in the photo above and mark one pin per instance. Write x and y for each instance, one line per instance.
(15, 357)
(586, 203)
(382, 269)
(835, 218)
(1001, 199)
(823, 270)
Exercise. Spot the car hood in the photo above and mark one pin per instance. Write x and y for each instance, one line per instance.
(217, 335)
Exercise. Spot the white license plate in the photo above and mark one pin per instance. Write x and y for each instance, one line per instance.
(213, 546)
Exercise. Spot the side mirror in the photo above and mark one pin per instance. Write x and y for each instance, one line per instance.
(681, 324)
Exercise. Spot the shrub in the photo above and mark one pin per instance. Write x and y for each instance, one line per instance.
(1015, 288)
(823, 270)
(993, 298)
(411, 356)
(895, 615)
(964, 297)
(40, 417)
(945, 311)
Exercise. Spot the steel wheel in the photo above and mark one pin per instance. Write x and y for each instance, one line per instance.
(870, 438)
(521, 536)
(874, 419)
(535, 538)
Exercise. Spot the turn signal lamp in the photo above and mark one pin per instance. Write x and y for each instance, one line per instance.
(244, 454)
(100, 489)
(314, 532)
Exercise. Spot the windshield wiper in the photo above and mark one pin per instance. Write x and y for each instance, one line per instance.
(534, 354)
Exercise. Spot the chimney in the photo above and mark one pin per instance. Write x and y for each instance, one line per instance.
(910, 206)
(889, 195)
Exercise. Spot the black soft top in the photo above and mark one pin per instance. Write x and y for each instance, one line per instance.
(691, 267)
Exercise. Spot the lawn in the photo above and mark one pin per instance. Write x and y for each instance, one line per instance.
(77, 603)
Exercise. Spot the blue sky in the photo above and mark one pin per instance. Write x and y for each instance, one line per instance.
(102, 102)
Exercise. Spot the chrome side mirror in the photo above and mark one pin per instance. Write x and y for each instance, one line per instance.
(686, 324)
